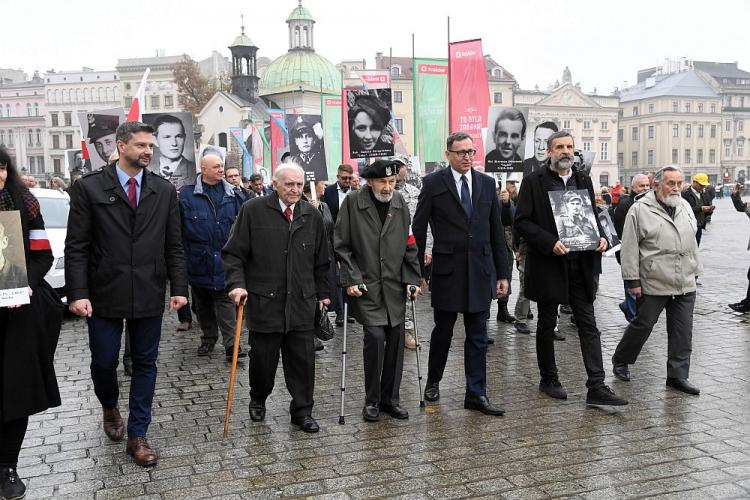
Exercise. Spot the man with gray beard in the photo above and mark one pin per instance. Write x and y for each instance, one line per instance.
(660, 265)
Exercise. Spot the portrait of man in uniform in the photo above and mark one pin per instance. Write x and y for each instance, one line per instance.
(12, 260)
(174, 154)
(575, 220)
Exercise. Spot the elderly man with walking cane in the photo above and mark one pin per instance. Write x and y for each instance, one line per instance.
(371, 240)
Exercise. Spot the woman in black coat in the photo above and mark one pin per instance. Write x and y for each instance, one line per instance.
(28, 334)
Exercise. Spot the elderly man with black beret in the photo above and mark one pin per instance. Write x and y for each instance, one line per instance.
(378, 265)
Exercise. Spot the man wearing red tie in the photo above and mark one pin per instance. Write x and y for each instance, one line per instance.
(122, 247)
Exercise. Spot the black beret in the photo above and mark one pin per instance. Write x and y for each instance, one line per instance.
(380, 169)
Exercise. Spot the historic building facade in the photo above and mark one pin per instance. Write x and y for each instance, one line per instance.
(22, 125)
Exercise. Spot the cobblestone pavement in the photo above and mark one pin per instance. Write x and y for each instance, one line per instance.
(663, 444)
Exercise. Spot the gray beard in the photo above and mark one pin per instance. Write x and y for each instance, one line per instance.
(562, 165)
(672, 200)
(383, 198)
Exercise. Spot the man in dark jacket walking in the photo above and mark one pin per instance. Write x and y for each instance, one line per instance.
(209, 208)
(702, 208)
(555, 275)
(469, 265)
(371, 240)
(277, 258)
(124, 245)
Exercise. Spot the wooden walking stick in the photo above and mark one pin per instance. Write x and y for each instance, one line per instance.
(233, 373)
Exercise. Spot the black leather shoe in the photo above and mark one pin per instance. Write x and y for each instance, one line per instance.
(621, 371)
(482, 404)
(503, 315)
(230, 352)
(339, 321)
(395, 411)
(553, 389)
(522, 328)
(604, 396)
(370, 412)
(740, 307)
(558, 336)
(306, 423)
(11, 486)
(682, 385)
(432, 391)
(257, 411)
(566, 309)
(205, 349)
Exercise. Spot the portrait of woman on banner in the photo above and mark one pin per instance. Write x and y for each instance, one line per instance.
(370, 131)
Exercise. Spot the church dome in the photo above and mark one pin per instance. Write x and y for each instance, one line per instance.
(242, 40)
(300, 14)
(298, 68)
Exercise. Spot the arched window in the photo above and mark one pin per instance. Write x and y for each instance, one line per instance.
(28, 109)
(10, 137)
(305, 37)
(38, 137)
(79, 95)
(108, 94)
(36, 109)
(395, 71)
(296, 36)
(2, 137)
(31, 137)
(223, 139)
(98, 94)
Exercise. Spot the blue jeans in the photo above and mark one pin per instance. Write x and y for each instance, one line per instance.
(104, 342)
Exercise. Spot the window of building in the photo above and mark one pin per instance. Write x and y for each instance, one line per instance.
(168, 101)
(28, 109)
(40, 163)
(711, 156)
(587, 145)
(634, 159)
(38, 136)
(127, 102)
(31, 137)
(687, 107)
(10, 138)
(675, 130)
(7, 110)
(604, 151)
(675, 107)
(497, 97)
(713, 107)
(56, 164)
(700, 107)
(398, 96)
(700, 130)
(651, 107)
(566, 124)
(713, 131)
(155, 102)
(2, 137)
(675, 156)
(650, 157)
(399, 123)
(497, 72)
(688, 130)
(727, 101)
(223, 139)
(55, 141)
(740, 148)
(634, 134)
(688, 156)
(728, 125)
(68, 118)
(604, 125)
(68, 141)
(742, 101)
(586, 124)
(620, 159)
(36, 109)
(604, 179)
(635, 110)
(31, 160)
(700, 156)
(620, 134)
(54, 119)
(395, 71)
(740, 125)
(727, 149)
(651, 131)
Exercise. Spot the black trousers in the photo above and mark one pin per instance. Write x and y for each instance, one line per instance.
(588, 334)
(383, 350)
(216, 313)
(298, 354)
(12, 432)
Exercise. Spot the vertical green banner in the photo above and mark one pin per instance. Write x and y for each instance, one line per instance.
(330, 114)
(430, 109)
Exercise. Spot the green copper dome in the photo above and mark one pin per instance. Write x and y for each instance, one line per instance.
(300, 68)
(242, 40)
(300, 14)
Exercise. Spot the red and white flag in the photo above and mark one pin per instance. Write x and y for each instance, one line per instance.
(139, 101)
(38, 240)
(84, 149)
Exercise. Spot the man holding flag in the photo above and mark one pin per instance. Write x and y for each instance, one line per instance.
(378, 265)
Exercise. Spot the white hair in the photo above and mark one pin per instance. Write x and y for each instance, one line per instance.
(285, 168)
(659, 174)
(637, 178)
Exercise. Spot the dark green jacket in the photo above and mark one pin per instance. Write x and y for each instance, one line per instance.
(377, 255)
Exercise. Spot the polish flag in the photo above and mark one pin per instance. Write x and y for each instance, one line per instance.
(139, 101)
(38, 240)
(84, 148)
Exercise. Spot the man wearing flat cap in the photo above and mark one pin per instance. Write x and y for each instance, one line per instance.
(102, 135)
(305, 139)
(378, 266)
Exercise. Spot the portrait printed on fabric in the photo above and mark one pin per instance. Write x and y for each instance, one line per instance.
(371, 134)
(505, 141)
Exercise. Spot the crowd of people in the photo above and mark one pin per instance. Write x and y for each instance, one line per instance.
(284, 253)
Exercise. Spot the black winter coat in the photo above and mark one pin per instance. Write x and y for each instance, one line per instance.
(28, 382)
(120, 258)
(546, 275)
(282, 266)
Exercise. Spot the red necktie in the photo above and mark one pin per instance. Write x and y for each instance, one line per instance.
(288, 214)
(132, 192)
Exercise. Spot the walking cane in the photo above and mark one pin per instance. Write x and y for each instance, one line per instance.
(233, 372)
(413, 297)
(343, 361)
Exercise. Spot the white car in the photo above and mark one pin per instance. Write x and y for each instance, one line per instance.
(55, 207)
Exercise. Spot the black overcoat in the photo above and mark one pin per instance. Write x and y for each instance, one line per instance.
(120, 258)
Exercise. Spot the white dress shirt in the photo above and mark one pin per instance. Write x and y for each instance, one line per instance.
(283, 208)
(342, 194)
(459, 182)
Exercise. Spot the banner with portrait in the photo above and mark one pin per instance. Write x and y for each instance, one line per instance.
(75, 162)
(13, 278)
(431, 108)
(537, 133)
(468, 92)
(306, 143)
(331, 116)
(505, 142)
(608, 226)
(370, 132)
(174, 147)
(99, 129)
(575, 219)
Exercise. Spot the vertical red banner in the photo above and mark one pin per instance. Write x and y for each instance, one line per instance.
(278, 136)
(469, 95)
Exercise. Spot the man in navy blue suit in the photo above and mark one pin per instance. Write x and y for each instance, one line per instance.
(469, 265)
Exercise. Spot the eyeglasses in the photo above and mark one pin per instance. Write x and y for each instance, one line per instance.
(347, 178)
(464, 153)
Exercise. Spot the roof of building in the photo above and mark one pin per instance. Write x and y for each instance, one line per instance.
(721, 70)
(242, 40)
(137, 62)
(297, 69)
(300, 14)
(407, 66)
(686, 83)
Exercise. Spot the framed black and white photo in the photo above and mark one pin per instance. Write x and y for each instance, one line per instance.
(575, 219)
(306, 144)
(536, 143)
(608, 226)
(369, 123)
(174, 147)
(505, 140)
(74, 162)
(13, 278)
(99, 128)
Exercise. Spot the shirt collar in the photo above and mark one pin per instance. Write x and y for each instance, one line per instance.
(284, 205)
(123, 177)
(457, 175)
(338, 186)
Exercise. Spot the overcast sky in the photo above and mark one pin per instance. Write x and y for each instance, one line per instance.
(603, 42)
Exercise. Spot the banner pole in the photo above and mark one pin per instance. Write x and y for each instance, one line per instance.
(450, 106)
(415, 148)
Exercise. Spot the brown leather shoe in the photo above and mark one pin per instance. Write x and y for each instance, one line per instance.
(113, 425)
(142, 453)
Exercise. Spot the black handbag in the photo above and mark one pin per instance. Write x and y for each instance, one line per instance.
(323, 326)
